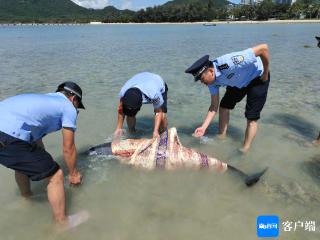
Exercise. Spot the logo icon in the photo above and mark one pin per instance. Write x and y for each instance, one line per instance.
(267, 226)
(237, 59)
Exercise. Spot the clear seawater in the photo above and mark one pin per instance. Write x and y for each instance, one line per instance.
(130, 204)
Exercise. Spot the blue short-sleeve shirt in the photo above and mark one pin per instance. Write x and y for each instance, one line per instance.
(151, 85)
(30, 117)
(236, 69)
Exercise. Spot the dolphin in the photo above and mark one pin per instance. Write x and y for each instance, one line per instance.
(167, 152)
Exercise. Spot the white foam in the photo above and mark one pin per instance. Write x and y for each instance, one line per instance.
(77, 219)
(74, 220)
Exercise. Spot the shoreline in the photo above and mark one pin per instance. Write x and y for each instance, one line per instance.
(170, 23)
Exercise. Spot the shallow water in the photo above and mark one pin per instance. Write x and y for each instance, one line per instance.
(129, 204)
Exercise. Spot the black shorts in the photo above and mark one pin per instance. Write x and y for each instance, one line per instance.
(256, 93)
(26, 158)
(165, 96)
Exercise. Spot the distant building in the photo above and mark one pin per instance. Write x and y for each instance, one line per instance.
(95, 23)
(282, 1)
(253, 2)
(247, 2)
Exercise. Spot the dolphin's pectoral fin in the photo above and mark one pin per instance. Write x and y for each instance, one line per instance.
(249, 180)
(254, 178)
(102, 149)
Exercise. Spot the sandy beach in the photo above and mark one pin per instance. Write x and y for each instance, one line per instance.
(234, 22)
(168, 23)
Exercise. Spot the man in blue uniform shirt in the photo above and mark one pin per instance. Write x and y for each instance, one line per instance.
(143, 88)
(24, 120)
(244, 73)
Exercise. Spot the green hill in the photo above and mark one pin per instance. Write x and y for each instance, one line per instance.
(56, 11)
(60, 11)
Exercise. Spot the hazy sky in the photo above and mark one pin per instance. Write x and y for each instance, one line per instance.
(122, 4)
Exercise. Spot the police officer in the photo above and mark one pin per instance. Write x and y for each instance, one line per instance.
(244, 73)
(24, 120)
(143, 88)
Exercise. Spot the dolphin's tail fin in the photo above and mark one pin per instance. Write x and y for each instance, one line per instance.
(249, 180)
(254, 178)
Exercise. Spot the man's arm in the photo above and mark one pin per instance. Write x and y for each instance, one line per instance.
(121, 117)
(199, 132)
(262, 51)
(70, 155)
(157, 121)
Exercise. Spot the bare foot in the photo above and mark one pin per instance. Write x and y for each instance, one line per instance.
(316, 142)
(73, 221)
(244, 150)
(222, 136)
(27, 195)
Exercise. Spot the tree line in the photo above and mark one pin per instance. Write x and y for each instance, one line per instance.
(309, 9)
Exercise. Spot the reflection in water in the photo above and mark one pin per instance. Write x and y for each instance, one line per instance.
(295, 123)
(312, 167)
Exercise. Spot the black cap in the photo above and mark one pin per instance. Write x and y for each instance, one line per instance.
(132, 101)
(73, 88)
(197, 68)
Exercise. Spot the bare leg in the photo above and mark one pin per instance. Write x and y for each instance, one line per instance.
(56, 196)
(224, 114)
(23, 184)
(131, 122)
(251, 132)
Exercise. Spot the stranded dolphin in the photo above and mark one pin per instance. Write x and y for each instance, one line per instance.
(166, 152)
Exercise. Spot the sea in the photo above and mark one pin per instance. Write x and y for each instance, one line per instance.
(127, 203)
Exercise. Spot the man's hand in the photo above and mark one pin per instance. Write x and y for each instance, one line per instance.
(265, 77)
(199, 132)
(156, 134)
(118, 133)
(75, 178)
